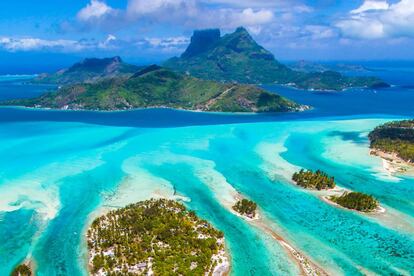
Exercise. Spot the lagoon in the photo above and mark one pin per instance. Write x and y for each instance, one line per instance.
(58, 169)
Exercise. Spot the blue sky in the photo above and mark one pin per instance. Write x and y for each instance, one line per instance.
(149, 31)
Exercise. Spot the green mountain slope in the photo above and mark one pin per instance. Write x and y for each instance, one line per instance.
(237, 57)
(89, 70)
(156, 87)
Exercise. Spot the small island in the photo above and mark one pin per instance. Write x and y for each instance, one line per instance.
(246, 208)
(156, 237)
(313, 180)
(21, 270)
(356, 201)
(394, 142)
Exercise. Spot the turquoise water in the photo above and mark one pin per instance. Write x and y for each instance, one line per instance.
(57, 172)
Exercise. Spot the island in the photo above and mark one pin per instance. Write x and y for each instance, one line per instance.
(155, 237)
(314, 180)
(308, 66)
(394, 142)
(237, 57)
(155, 86)
(21, 270)
(246, 208)
(89, 70)
(356, 201)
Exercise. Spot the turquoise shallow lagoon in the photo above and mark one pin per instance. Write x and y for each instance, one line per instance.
(59, 169)
(54, 175)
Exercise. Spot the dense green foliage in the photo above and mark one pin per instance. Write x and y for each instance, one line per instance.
(356, 201)
(313, 180)
(161, 232)
(237, 57)
(89, 70)
(395, 137)
(22, 270)
(158, 87)
(246, 207)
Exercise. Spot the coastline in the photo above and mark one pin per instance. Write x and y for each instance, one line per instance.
(325, 195)
(307, 266)
(32, 265)
(394, 164)
(222, 258)
(379, 210)
(302, 108)
(113, 201)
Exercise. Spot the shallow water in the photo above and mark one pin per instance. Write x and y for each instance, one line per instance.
(58, 169)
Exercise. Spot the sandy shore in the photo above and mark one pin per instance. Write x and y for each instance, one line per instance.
(223, 260)
(325, 195)
(223, 257)
(306, 265)
(393, 164)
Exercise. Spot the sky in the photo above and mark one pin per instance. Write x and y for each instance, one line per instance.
(50, 33)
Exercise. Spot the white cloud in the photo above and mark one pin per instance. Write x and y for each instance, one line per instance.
(249, 17)
(168, 42)
(302, 9)
(94, 10)
(319, 32)
(28, 44)
(188, 13)
(143, 7)
(108, 42)
(59, 45)
(371, 5)
(247, 3)
(378, 19)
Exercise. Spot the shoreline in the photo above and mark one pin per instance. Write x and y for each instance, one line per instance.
(222, 268)
(393, 164)
(378, 211)
(304, 263)
(223, 257)
(325, 195)
(307, 266)
(301, 108)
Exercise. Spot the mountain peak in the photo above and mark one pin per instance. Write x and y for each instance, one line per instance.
(201, 41)
(241, 33)
(242, 29)
(92, 61)
(95, 64)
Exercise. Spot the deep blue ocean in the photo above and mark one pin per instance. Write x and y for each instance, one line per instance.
(59, 169)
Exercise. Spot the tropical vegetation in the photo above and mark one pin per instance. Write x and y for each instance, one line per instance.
(155, 86)
(356, 201)
(246, 207)
(237, 57)
(22, 270)
(314, 180)
(154, 236)
(396, 138)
